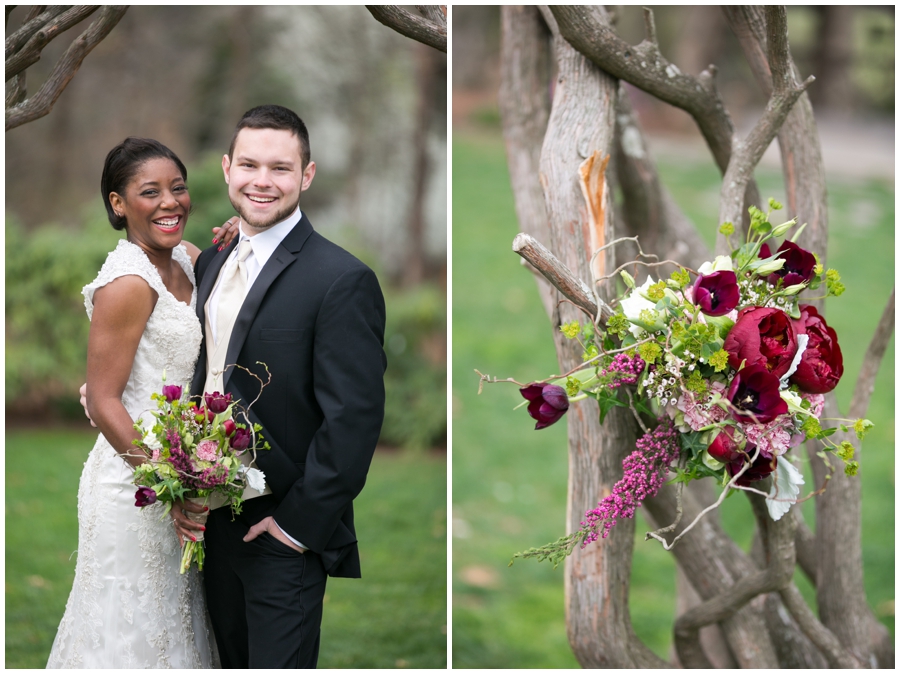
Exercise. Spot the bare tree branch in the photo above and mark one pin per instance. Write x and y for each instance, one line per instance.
(42, 102)
(801, 152)
(778, 537)
(820, 635)
(747, 154)
(713, 563)
(24, 47)
(558, 274)
(644, 66)
(37, 16)
(865, 383)
(412, 26)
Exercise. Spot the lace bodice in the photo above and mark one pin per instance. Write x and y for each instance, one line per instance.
(171, 340)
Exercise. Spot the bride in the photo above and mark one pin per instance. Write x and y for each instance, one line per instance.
(129, 606)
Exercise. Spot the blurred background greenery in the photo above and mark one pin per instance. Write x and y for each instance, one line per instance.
(509, 482)
(375, 105)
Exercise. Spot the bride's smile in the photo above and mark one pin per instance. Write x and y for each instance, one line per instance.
(155, 204)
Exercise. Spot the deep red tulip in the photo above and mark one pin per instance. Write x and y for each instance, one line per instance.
(228, 426)
(217, 402)
(241, 439)
(725, 448)
(762, 467)
(548, 403)
(171, 392)
(144, 496)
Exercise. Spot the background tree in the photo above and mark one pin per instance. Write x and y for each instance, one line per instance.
(566, 143)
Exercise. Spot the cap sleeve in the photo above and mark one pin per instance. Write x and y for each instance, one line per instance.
(126, 260)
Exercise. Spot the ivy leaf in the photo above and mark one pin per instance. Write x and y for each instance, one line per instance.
(607, 400)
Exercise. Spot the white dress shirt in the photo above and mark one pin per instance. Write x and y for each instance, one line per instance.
(263, 245)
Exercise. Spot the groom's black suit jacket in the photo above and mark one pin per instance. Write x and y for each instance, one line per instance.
(315, 316)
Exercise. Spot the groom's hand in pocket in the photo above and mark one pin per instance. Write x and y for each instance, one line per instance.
(83, 392)
(268, 524)
(185, 527)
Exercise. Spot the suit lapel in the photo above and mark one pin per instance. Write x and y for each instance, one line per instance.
(281, 259)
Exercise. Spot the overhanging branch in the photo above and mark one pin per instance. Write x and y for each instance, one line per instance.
(42, 102)
(415, 27)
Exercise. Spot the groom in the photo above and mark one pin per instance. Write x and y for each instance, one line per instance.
(282, 295)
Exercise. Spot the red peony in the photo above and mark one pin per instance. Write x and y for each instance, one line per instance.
(822, 364)
(762, 336)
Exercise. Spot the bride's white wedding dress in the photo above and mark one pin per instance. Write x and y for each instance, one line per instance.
(129, 606)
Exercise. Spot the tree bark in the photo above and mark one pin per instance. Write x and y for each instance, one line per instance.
(581, 127)
(524, 100)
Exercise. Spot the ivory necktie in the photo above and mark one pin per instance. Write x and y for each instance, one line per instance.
(232, 292)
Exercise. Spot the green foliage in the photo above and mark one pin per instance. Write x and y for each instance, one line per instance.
(415, 415)
(46, 325)
(555, 552)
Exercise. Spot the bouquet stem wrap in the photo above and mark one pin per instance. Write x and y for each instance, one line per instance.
(199, 518)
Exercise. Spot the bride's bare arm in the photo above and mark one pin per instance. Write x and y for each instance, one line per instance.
(121, 311)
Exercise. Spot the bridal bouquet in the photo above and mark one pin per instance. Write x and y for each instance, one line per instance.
(195, 453)
(730, 363)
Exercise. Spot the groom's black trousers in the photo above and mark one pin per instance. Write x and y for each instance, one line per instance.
(264, 598)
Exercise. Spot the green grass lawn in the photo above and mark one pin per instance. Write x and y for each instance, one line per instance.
(509, 482)
(395, 616)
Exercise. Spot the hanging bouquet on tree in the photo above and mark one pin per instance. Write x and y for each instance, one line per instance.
(730, 362)
(199, 452)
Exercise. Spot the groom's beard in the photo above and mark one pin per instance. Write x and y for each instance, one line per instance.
(264, 223)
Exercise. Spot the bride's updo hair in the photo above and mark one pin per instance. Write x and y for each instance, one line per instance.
(121, 164)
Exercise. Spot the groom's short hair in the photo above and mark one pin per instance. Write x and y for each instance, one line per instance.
(274, 117)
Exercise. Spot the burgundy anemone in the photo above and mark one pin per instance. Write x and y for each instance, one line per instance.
(754, 394)
(822, 364)
(798, 264)
(716, 294)
(547, 403)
